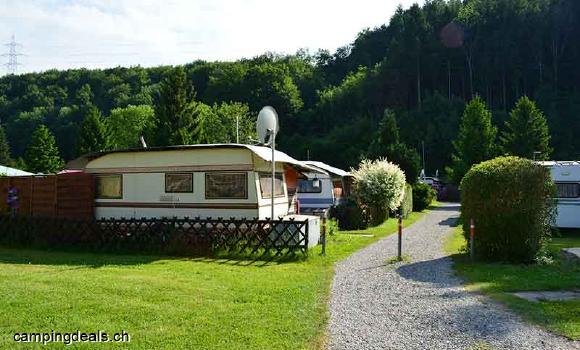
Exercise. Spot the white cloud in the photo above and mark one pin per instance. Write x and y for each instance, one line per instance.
(92, 33)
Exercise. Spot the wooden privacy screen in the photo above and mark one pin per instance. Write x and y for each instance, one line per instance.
(64, 196)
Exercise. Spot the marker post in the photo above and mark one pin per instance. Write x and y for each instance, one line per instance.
(471, 239)
(400, 237)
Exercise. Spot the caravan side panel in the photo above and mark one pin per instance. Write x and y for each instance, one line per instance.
(566, 175)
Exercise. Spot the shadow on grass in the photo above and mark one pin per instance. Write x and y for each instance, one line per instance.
(97, 260)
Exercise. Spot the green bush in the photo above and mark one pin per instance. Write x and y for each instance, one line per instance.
(349, 215)
(510, 200)
(407, 205)
(331, 226)
(423, 196)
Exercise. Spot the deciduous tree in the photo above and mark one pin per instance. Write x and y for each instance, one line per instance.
(126, 125)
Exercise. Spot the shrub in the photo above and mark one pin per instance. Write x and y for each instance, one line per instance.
(510, 200)
(407, 205)
(423, 196)
(349, 215)
(380, 186)
(331, 226)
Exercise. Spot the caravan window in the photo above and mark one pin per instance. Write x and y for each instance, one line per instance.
(568, 190)
(179, 183)
(109, 187)
(226, 185)
(310, 186)
(266, 185)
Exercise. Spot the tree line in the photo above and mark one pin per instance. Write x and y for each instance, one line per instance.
(395, 87)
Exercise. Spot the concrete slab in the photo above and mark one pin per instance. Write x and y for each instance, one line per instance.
(554, 295)
(572, 254)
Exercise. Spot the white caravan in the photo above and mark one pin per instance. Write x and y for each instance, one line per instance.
(566, 176)
(320, 191)
(219, 180)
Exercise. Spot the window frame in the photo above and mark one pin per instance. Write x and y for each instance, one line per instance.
(283, 194)
(209, 173)
(309, 192)
(100, 176)
(567, 183)
(191, 182)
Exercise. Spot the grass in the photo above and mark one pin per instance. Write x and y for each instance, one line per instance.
(175, 303)
(499, 280)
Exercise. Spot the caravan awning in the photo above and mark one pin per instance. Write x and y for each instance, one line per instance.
(327, 168)
(4, 170)
(264, 153)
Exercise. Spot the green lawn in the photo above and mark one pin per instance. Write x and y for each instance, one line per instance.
(174, 303)
(497, 280)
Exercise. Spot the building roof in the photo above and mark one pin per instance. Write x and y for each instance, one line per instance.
(264, 153)
(327, 168)
(4, 170)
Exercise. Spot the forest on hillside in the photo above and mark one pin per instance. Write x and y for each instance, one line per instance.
(420, 68)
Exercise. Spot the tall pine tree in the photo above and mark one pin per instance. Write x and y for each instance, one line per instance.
(42, 155)
(175, 109)
(526, 131)
(475, 141)
(5, 158)
(387, 144)
(93, 136)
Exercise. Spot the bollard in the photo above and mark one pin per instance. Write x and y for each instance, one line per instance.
(400, 236)
(471, 239)
(323, 238)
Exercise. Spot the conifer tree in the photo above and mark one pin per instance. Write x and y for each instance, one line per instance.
(526, 131)
(387, 144)
(93, 136)
(5, 158)
(42, 154)
(175, 109)
(475, 141)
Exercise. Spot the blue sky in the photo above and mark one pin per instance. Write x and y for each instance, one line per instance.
(96, 34)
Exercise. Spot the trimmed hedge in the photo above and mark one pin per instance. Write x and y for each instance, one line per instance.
(349, 215)
(423, 196)
(510, 200)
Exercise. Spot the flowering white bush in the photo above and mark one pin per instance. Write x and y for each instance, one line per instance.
(379, 184)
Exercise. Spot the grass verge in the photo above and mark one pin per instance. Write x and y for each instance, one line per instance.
(499, 280)
(175, 303)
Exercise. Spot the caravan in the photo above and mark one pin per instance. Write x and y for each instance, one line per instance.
(320, 191)
(566, 176)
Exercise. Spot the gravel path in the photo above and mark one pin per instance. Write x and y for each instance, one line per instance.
(420, 304)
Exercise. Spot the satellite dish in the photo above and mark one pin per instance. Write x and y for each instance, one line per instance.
(267, 124)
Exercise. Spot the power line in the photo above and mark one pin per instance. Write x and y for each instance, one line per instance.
(12, 64)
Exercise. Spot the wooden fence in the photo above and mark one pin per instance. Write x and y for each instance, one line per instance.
(172, 236)
(57, 196)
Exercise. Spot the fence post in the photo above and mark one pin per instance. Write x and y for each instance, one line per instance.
(400, 237)
(297, 206)
(471, 239)
(323, 236)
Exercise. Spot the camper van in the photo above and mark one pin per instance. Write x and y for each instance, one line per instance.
(218, 180)
(321, 190)
(566, 176)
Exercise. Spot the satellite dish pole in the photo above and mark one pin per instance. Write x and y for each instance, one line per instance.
(267, 127)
